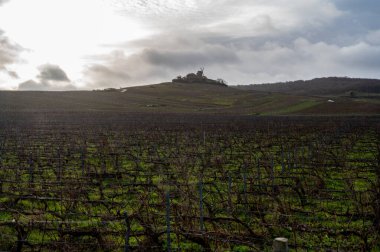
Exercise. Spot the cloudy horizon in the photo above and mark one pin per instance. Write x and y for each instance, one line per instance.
(90, 44)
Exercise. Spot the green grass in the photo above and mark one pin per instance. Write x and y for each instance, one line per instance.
(298, 107)
(266, 210)
(180, 98)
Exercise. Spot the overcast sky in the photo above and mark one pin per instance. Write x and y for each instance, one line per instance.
(89, 44)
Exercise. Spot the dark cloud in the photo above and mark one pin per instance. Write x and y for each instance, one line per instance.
(50, 78)
(49, 72)
(13, 74)
(303, 59)
(368, 6)
(9, 54)
(242, 42)
(160, 64)
(238, 60)
(360, 14)
(184, 59)
(106, 76)
(357, 20)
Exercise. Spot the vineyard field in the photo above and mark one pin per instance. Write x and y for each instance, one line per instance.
(95, 181)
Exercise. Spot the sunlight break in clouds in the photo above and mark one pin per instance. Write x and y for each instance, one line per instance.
(63, 32)
(164, 8)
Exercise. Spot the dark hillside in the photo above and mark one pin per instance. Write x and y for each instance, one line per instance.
(204, 98)
(321, 86)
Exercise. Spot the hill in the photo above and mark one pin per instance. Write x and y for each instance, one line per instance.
(331, 86)
(164, 97)
(173, 97)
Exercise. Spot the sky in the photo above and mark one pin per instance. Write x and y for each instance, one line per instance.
(95, 44)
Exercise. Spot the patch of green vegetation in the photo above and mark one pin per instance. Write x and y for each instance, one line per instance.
(301, 193)
(241, 249)
(298, 107)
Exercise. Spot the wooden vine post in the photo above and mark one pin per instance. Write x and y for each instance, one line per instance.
(280, 245)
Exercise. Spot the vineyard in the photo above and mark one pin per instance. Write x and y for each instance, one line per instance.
(142, 182)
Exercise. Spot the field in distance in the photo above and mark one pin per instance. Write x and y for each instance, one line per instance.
(273, 99)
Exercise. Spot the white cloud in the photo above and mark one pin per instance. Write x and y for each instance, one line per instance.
(64, 32)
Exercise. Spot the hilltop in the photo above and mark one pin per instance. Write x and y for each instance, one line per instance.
(331, 86)
(198, 77)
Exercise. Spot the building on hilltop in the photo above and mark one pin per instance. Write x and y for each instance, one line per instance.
(198, 77)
